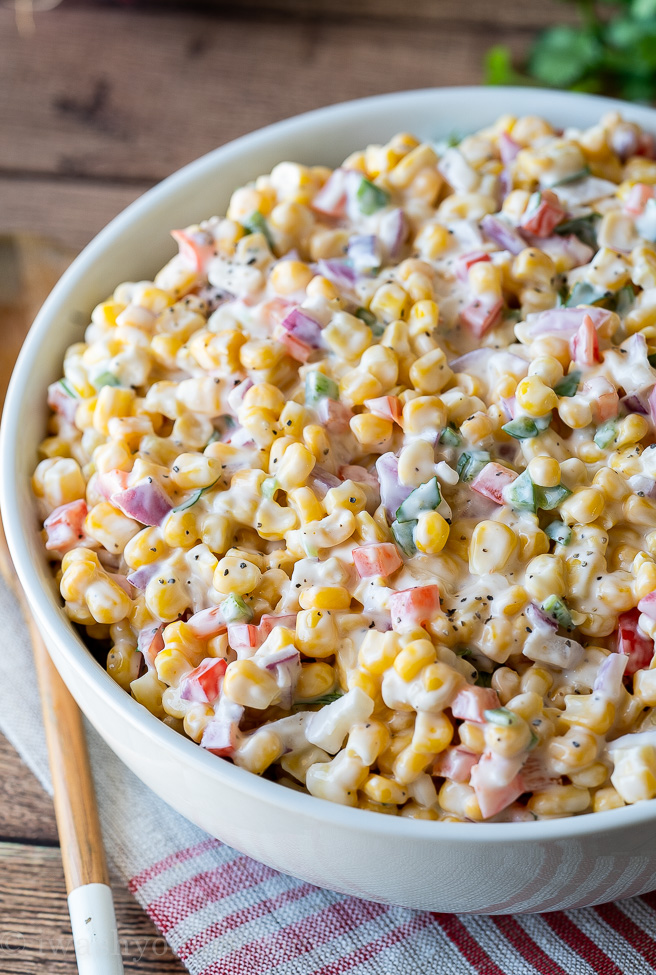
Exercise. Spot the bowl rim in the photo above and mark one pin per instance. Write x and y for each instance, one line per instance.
(56, 626)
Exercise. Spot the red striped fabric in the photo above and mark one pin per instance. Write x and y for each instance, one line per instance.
(225, 914)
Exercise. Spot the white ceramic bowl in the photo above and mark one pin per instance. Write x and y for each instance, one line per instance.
(450, 867)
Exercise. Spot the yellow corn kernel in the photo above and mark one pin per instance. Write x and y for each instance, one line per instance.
(536, 680)
(571, 751)
(234, 574)
(110, 527)
(106, 313)
(477, 427)
(584, 506)
(534, 397)
(378, 652)
(347, 336)
(59, 480)
(147, 690)
(634, 775)
(507, 740)
(316, 633)
(422, 157)
(166, 598)
(325, 597)
(371, 430)
(286, 277)
(592, 711)
(379, 788)
(545, 576)
(261, 354)
(171, 665)
(413, 658)
(644, 687)
(492, 545)
(365, 681)
(111, 401)
(315, 680)
(389, 303)
(472, 737)
(295, 467)
(645, 580)
(485, 279)
(498, 639)
(409, 764)
(544, 471)
(266, 396)
(423, 413)
(249, 685)
(145, 547)
(292, 419)
(433, 241)
(433, 733)
(306, 504)
(431, 533)
(258, 752)
(513, 600)
(606, 798)
(348, 495)
(631, 429)
(356, 386)
(193, 471)
(532, 266)
(430, 373)
(180, 529)
(547, 368)
(423, 317)
(215, 532)
(559, 800)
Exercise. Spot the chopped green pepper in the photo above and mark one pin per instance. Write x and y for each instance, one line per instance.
(424, 498)
(549, 498)
(555, 607)
(573, 177)
(106, 379)
(191, 501)
(501, 716)
(559, 532)
(68, 389)
(371, 197)
(403, 532)
(471, 463)
(450, 438)
(585, 228)
(568, 385)
(605, 434)
(235, 610)
(521, 428)
(319, 386)
(257, 224)
(584, 293)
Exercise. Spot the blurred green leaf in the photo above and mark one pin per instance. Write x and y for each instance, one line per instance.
(643, 9)
(561, 56)
(499, 68)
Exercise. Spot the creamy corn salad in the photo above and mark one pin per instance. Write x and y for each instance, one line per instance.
(359, 493)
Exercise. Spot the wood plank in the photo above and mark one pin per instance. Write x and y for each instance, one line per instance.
(129, 96)
(475, 13)
(35, 934)
(70, 212)
(26, 811)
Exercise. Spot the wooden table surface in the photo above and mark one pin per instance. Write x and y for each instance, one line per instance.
(96, 106)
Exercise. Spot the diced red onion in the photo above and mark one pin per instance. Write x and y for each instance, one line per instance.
(610, 675)
(322, 481)
(142, 576)
(365, 253)
(640, 483)
(563, 321)
(507, 237)
(636, 403)
(302, 327)
(539, 620)
(392, 492)
(352, 472)
(63, 404)
(237, 393)
(339, 272)
(146, 502)
(509, 404)
(508, 148)
(333, 415)
(392, 231)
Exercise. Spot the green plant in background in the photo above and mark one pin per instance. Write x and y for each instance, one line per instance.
(613, 51)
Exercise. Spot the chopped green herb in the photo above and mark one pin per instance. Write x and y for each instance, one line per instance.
(191, 501)
(573, 177)
(585, 228)
(404, 536)
(366, 316)
(559, 532)
(68, 389)
(450, 438)
(568, 385)
(584, 293)
(371, 197)
(328, 698)
(555, 607)
(521, 428)
(501, 716)
(483, 679)
(257, 224)
(605, 434)
(318, 387)
(106, 379)
(235, 610)
(471, 463)
(424, 498)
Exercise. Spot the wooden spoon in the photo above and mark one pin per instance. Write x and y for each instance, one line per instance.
(29, 268)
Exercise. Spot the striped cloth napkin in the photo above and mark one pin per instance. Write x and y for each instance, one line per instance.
(225, 914)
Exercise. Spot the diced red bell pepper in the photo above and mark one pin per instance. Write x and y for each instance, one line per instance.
(492, 480)
(584, 344)
(481, 314)
(244, 636)
(150, 641)
(492, 794)
(647, 605)
(63, 404)
(545, 217)
(268, 623)
(636, 200)
(196, 247)
(471, 702)
(65, 526)
(637, 646)
(111, 482)
(414, 607)
(220, 735)
(207, 623)
(465, 261)
(603, 398)
(389, 407)
(203, 684)
(455, 763)
(380, 559)
(297, 349)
